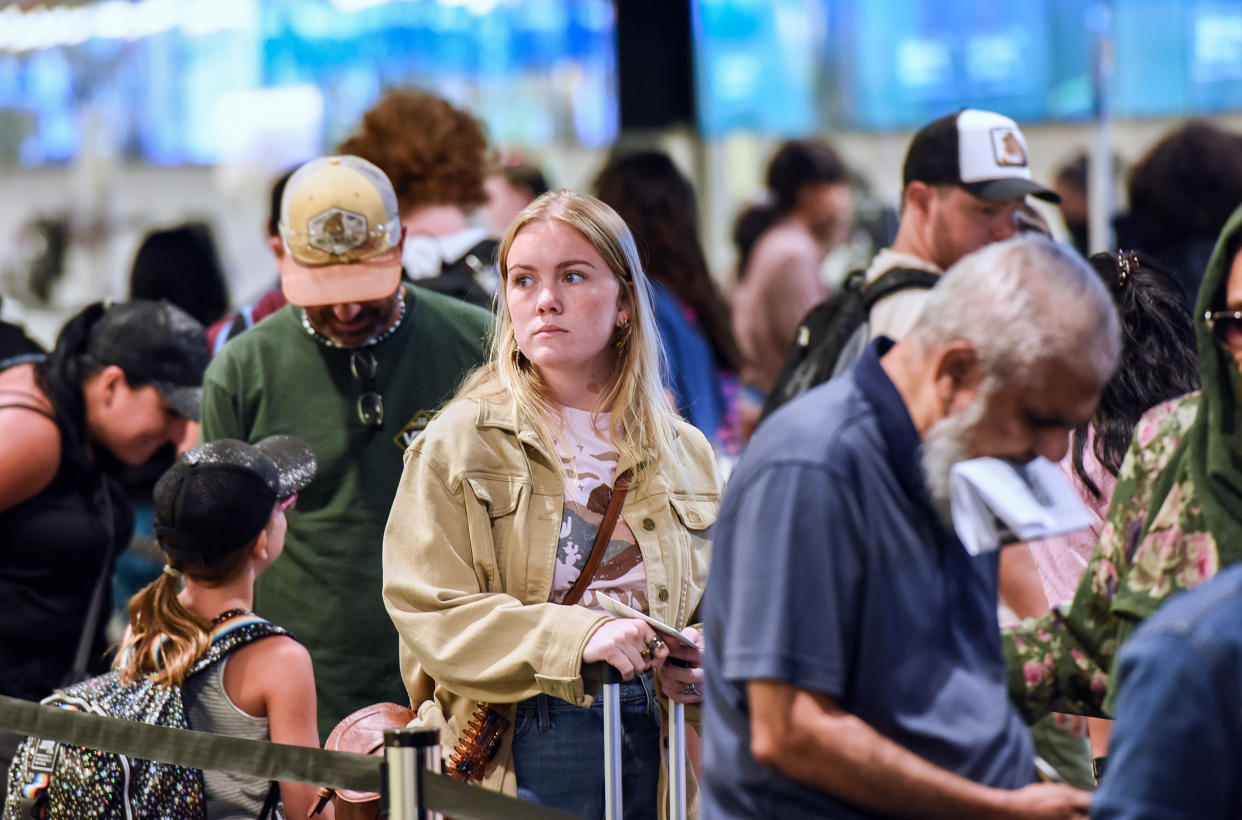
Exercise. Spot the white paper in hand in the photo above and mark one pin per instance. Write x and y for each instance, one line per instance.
(996, 502)
(619, 610)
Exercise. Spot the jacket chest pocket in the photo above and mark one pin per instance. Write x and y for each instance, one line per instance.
(503, 500)
(684, 536)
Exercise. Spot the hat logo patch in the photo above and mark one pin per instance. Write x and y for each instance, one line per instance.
(337, 231)
(1008, 149)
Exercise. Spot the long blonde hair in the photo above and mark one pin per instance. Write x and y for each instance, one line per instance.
(642, 421)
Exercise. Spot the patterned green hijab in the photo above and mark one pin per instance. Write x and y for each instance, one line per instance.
(1212, 449)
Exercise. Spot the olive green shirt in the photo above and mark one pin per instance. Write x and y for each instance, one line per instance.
(326, 587)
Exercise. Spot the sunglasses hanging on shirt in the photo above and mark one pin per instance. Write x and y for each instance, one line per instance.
(370, 404)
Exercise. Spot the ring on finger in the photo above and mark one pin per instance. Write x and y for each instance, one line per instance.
(691, 689)
(654, 644)
(644, 654)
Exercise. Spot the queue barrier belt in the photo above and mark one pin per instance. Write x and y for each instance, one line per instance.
(255, 758)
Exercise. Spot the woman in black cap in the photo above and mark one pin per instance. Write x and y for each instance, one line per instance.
(121, 381)
(220, 520)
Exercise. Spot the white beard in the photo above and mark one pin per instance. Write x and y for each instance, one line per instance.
(944, 444)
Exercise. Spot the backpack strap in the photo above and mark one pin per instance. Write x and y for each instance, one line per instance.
(232, 630)
(894, 280)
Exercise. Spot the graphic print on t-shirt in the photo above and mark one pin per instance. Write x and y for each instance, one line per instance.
(621, 572)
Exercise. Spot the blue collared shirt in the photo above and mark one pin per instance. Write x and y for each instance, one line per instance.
(1176, 748)
(832, 572)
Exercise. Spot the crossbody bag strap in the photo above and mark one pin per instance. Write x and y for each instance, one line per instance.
(94, 612)
(601, 538)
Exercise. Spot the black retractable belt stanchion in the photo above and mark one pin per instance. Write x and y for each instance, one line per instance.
(263, 759)
(407, 754)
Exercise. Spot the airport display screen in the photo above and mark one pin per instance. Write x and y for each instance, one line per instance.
(895, 64)
(200, 81)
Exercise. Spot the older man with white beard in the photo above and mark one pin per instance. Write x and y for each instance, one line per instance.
(853, 664)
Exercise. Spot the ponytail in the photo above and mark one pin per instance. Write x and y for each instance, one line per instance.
(61, 375)
(164, 638)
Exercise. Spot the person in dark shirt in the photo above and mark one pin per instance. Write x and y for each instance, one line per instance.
(120, 382)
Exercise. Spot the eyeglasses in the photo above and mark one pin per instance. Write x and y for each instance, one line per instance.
(289, 503)
(1225, 326)
(370, 405)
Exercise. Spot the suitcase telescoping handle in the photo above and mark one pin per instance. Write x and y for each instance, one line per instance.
(612, 742)
(612, 751)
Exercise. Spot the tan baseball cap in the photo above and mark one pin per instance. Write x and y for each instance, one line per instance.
(342, 233)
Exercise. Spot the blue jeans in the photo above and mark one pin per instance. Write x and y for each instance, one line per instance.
(558, 752)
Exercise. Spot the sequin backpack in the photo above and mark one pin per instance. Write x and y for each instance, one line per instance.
(49, 780)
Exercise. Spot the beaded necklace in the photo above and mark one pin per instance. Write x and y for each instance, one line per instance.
(374, 340)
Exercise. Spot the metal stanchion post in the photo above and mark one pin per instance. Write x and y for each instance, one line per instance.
(407, 752)
(612, 743)
(677, 761)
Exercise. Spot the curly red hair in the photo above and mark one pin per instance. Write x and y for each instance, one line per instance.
(433, 152)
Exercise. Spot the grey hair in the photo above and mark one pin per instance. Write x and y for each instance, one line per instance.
(1022, 302)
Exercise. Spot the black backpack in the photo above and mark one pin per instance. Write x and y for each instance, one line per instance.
(60, 781)
(833, 334)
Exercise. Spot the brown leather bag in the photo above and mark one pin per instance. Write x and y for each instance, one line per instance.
(363, 733)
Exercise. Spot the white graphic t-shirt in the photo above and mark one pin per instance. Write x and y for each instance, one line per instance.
(621, 573)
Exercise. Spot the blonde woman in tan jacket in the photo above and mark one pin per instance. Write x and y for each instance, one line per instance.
(500, 506)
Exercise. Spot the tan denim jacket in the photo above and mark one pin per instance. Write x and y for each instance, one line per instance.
(468, 560)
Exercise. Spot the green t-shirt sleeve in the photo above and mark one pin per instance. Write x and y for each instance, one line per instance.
(221, 408)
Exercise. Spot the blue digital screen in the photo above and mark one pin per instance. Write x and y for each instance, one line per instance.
(896, 64)
(190, 81)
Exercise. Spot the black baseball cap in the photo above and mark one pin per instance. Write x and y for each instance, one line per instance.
(159, 342)
(980, 151)
(219, 496)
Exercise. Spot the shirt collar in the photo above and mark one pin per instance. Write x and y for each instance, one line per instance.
(456, 245)
(904, 446)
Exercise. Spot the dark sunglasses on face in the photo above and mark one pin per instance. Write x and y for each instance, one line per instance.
(370, 405)
(1225, 326)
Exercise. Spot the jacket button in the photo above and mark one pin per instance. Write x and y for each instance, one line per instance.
(662, 594)
(648, 524)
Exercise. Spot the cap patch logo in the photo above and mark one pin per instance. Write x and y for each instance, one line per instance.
(337, 231)
(1008, 149)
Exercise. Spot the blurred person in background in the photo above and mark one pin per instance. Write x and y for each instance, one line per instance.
(510, 188)
(435, 154)
(781, 246)
(1070, 183)
(658, 203)
(355, 365)
(1181, 192)
(181, 264)
(964, 180)
(120, 382)
(273, 300)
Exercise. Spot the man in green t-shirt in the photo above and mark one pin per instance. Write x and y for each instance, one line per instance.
(355, 365)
